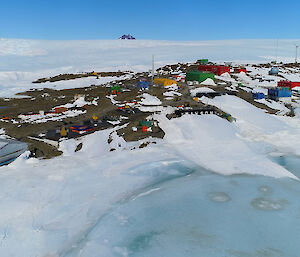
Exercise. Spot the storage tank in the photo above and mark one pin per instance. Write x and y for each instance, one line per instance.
(274, 71)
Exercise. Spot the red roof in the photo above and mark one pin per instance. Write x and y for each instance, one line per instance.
(238, 70)
(216, 69)
(290, 84)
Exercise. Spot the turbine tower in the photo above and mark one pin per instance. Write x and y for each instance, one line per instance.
(296, 53)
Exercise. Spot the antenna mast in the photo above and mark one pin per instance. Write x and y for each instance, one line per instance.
(152, 69)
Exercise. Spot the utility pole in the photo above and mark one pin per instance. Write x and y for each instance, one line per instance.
(152, 69)
(296, 53)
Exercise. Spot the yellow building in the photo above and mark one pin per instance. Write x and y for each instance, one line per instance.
(164, 82)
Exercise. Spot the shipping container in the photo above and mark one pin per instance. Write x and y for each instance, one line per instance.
(60, 109)
(256, 95)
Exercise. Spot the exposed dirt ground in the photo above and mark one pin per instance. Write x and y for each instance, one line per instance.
(46, 99)
(61, 77)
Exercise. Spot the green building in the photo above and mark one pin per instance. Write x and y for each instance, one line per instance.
(202, 61)
(198, 76)
(115, 89)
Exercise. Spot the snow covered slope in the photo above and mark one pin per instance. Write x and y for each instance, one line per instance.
(280, 132)
(214, 143)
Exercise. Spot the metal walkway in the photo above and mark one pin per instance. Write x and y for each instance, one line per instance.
(199, 111)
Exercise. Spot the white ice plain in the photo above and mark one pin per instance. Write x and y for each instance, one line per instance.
(23, 61)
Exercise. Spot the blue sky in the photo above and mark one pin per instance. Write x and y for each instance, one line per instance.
(166, 20)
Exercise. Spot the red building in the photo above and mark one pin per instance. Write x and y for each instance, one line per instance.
(238, 70)
(284, 83)
(216, 69)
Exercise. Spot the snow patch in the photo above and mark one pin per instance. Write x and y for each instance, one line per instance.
(194, 91)
(148, 99)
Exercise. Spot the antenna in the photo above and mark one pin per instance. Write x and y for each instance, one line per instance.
(152, 69)
(296, 53)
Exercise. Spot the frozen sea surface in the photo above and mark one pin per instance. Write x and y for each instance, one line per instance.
(154, 201)
(290, 162)
(202, 214)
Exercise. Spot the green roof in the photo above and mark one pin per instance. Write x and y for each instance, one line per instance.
(198, 76)
(202, 61)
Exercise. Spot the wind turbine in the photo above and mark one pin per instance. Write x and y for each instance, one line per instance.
(296, 52)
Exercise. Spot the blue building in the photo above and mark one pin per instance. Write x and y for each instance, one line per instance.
(279, 92)
(258, 96)
(143, 84)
